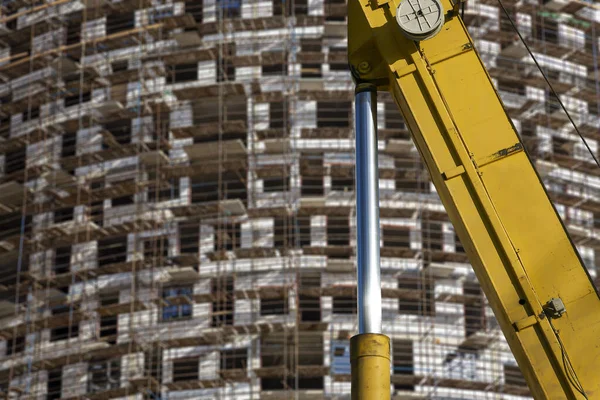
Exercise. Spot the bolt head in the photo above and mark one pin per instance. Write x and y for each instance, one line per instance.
(364, 67)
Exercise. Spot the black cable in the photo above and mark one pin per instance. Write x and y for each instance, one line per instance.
(571, 375)
(548, 82)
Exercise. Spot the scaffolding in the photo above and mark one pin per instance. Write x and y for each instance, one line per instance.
(177, 212)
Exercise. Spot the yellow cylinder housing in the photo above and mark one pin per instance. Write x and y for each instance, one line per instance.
(370, 361)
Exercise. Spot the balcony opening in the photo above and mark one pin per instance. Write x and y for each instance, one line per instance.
(402, 364)
(112, 251)
(222, 290)
(178, 303)
(186, 369)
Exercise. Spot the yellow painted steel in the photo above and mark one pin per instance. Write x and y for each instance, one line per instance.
(519, 249)
(370, 362)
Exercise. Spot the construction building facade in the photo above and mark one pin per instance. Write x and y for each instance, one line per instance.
(177, 213)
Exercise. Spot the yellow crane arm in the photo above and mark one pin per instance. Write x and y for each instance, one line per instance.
(530, 271)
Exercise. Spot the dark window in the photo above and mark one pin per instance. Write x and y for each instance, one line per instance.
(546, 32)
(433, 235)
(14, 161)
(273, 353)
(195, 8)
(112, 251)
(309, 297)
(15, 345)
(62, 260)
(511, 87)
(338, 67)
(302, 230)
(396, 236)
(338, 231)
(561, 146)
(54, 384)
(234, 359)
(276, 184)
(342, 183)
(64, 332)
(474, 308)
(69, 144)
(222, 290)
(31, 114)
(281, 232)
(119, 22)
(344, 305)
(229, 8)
(63, 215)
(104, 375)
(4, 124)
(332, 13)
(178, 302)
(411, 176)
(233, 109)
(312, 186)
(164, 194)
(183, 73)
(513, 375)
(119, 66)
(277, 114)
(156, 247)
(281, 8)
(458, 245)
(228, 237)
(392, 117)
(153, 364)
(311, 71)
(274, 305)
(97, 212)
(311, 45)
(4, 381)
(231, 187)
(77, 99)
(109, 329)
(11, 224)
(186, 369)
(552, 104)
(334, 114)
(109, 299)
(424, 287)
(402, 361)
(225, 69)
(274, 70)
(122, 201)
(121, 130)
(73, 33)
(338, 59)
(189, 237)
(279, 351)
(300, 7)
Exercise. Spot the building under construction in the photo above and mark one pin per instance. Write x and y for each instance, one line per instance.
(177, 212)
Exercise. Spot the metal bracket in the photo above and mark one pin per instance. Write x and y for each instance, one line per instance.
(554, 308)
(526, 323)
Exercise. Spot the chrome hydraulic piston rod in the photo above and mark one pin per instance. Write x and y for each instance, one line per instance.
(369, 350)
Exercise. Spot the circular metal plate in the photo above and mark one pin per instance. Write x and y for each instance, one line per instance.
(420, 19)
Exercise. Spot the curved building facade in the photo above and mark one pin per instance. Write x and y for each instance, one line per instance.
(177, 212)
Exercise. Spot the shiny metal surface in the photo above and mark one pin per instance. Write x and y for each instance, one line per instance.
(367, 212)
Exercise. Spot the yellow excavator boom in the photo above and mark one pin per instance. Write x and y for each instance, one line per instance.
(528, 267)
